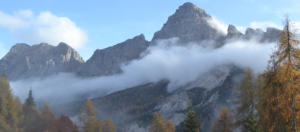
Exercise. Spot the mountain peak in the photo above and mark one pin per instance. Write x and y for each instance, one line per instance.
(190, 24)
(63, 44)
(19, 46)
(140, 37)
(190, 8)
(188, 5)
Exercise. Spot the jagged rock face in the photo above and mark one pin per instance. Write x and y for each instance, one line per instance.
(189, 24)
(108, 61)
(271, 35)
(25, 61)
(135, 106)
(233, 33)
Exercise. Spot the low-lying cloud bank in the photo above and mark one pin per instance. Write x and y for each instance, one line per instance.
(168, 60)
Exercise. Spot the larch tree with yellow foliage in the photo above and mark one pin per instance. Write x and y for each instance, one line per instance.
(224, 123)
(88, 117)
(10, 109)
(108, 125)
(280, 86)
(158, 124)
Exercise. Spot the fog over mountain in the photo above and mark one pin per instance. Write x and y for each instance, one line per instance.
(168, 60)
(192, 57)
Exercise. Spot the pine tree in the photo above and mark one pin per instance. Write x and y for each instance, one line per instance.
(157, 123)
(30, 101)
(108, 125)
(224, 122)
(190, 124)
(245, 116)
(31, 115)
(10, 110)
(88, 117)
(250, 124)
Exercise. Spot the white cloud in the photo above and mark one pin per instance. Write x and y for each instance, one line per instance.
(3, 50)
(218, 25)
(11, 21)
(263, 25)
(178, 64)
(44, 27)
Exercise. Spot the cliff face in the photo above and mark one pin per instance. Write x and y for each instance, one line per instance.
(108, 61)
(24, 61)
(189, 24)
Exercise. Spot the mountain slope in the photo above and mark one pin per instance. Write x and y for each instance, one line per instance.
(133, 107)
(109, 60)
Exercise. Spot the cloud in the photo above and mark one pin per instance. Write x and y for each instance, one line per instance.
(265, 24)
(167, 60)
(44, 27)
(3, 50)
(220, 26)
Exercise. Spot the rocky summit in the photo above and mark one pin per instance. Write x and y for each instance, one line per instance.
(190, 24)
(25, 61)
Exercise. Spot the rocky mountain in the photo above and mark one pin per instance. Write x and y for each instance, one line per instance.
(133, 107)
(24, 61)
(190, 24)
(271, 34)
(109, 60)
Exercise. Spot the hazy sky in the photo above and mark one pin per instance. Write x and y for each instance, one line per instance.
(91, 24)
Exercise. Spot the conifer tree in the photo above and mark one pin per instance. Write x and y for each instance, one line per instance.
(245, 116)
(88, 117)
(31, 115)
(190, 124)
(170, 126)
(250, 124)
(48, 120)
(66, 125)
(10, 110)
(280, 88)
(224, 123)
(108, 125)
(30, 101)
(157, 123)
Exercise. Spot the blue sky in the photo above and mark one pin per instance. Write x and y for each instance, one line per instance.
(103, 23)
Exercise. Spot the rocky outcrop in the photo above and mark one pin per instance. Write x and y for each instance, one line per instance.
(108, 61)
(25, 61)
(135, 106)
(271, 35)
(233, 33)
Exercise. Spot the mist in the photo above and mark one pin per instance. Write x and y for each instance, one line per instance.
(168, 60)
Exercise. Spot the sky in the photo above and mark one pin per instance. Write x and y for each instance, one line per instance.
(88, 25)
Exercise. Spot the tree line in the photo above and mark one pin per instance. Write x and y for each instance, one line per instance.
(17, 117)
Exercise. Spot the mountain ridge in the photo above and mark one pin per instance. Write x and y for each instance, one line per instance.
(189, 23)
